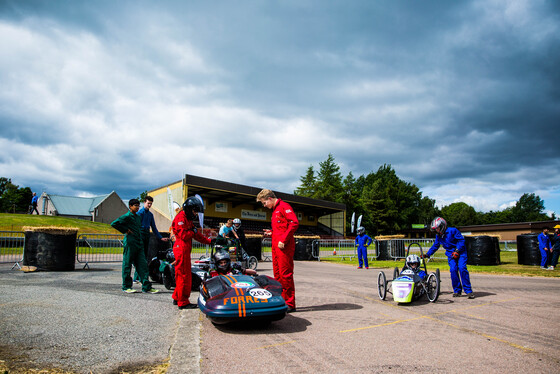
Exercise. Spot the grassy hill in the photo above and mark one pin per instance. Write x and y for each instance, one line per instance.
(15, 222)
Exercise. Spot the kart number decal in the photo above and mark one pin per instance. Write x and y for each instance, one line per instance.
(260, 293)
(242, 285)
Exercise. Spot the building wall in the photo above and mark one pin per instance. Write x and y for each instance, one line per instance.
(110, 209)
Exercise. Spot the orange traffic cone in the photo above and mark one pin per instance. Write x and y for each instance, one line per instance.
(334, 252)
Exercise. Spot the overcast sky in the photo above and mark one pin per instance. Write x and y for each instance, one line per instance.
(462, 98)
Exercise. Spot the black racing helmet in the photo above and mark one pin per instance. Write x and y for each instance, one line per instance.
(192, 206)
(219, 256)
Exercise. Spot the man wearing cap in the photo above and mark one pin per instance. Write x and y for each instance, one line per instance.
(555, 248)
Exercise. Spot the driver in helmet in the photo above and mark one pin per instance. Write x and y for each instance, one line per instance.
(224, 266)
(185, 231)
(413, 263)
(454, 243)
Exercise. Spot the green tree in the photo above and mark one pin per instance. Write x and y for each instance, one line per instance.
(13, 198)
(329, 181)
(459, 214)
(308, 185)
(529, 208)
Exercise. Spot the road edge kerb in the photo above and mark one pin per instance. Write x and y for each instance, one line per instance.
(184, 353)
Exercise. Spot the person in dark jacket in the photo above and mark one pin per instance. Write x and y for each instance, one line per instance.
(454, 243)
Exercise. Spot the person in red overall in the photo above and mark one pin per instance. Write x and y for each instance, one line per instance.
(184, 231)
(284, 224)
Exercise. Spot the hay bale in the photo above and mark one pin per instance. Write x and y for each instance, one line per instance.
(53, 230)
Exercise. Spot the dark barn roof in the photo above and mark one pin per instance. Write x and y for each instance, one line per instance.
(214, 190)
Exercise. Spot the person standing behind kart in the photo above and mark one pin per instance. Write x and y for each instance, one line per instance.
(241, 235)
(555, 248)
(184, 231)
(362, 243)
(129, 225)
(284, 224)
(147, 221)
(454, 243)
(545, 246)
(227, 231)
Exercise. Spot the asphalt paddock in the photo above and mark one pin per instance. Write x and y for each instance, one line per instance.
(80, 321)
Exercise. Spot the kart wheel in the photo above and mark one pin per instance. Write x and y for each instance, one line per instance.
(202, 257)
(433, 287)
(252, 263)
(169, 277)
(153, 270)
(195, 282)
(437, 275)
(395, 273)
(381, 285)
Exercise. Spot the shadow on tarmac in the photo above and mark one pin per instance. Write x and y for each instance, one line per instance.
(290, 324)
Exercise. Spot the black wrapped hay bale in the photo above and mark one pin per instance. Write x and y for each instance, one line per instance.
(303, 249)
(528, 252)
(254, 246)
(482, 250)
(158, 248)
(50, 248)
(382, 250)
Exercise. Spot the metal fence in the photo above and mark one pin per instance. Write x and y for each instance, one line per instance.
(11, 247)
(99, 248)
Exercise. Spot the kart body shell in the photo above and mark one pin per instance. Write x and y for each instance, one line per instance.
(231, 298)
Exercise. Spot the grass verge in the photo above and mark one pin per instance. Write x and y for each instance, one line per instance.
(508, 266)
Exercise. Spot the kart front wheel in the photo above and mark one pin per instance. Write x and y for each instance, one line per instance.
(438, 275)
(381, 285)
(433, 287)
(252, 263)
(395, 273)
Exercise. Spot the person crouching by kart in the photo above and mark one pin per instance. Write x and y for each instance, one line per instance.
(184, 231)
(413, 263)
(362, 242)
(454, 244)
(224, 266)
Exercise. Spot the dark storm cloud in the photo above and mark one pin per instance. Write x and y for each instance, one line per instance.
(460, 97)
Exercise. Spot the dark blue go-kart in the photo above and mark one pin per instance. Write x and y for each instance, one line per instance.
(235, 298)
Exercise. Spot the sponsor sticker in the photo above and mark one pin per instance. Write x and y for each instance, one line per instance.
(242, 285)
(260, 293)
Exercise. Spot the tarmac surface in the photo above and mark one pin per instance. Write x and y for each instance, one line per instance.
(82, 322)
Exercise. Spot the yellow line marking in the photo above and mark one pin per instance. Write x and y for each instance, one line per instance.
(524, 349)
(384, 324)
(276, 345)
(520, 347)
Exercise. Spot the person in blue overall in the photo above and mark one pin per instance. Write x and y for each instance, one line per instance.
(362, 242)
(545, 246)
(454, 243)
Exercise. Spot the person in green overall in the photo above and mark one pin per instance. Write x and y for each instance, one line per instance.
(133, 253)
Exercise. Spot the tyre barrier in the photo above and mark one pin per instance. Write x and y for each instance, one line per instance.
(482, 250)
(254, 247)
(50, 248)
(382, 250)
(528, 252)
(304, 250)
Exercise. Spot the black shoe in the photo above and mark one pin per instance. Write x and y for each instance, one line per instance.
(174, 302)
(471, 295)
(189, 306)
(291, 310)
(456, 294)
